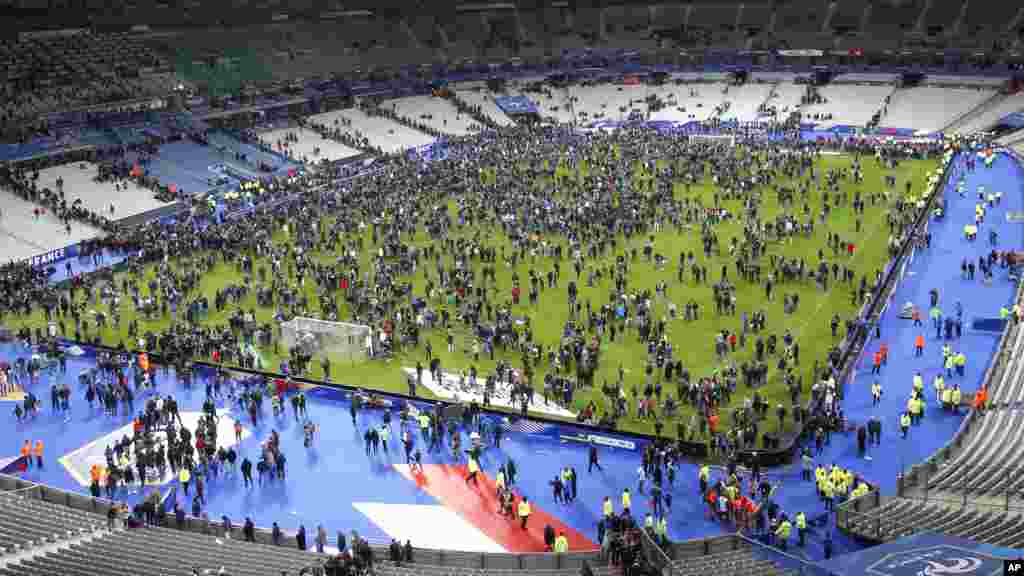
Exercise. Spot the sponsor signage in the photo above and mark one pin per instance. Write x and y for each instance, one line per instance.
(802, 53)
(600, 440)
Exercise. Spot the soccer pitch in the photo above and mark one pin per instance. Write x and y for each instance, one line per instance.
(693, 340)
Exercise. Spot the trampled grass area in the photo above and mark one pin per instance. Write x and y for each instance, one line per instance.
(693, 341)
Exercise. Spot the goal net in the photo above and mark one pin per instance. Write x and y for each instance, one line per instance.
(339, 341)
(713, 139)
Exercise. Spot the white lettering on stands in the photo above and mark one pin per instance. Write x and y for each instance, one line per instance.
(48, 258)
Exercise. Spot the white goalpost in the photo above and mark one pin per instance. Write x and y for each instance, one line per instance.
(338, 340)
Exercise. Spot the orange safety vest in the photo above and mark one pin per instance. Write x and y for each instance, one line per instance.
(39, 449)
(980, 398)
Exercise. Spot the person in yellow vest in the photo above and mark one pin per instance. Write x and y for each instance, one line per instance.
(956, 399)
(835, 477)
(801, 527)
(949, 364)
(474, 470)
(947, 398)
(828, 490)
(1016, 312)
(499, 481)
(905, 423)
(649, 522)
(626, 500)
(1004, 313)
(861, 490)
(607, 507)
(961, 363)
(661, 529)
(561, 543)
(783, 532)
(704, 475)
(919, 409)
(918, 382)
(425, 425)
(524, 512)
(940, 384)
(184, 477)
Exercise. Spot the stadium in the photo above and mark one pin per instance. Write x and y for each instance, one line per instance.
(553, 288)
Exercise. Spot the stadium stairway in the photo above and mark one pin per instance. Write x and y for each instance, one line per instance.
(31, 527)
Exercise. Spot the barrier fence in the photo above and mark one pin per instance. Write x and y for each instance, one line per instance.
(11, 486)
(855, 517)
(791, 563)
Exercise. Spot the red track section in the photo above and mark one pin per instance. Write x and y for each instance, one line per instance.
(478, 505)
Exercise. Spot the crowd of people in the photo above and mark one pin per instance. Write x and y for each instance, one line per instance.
(545, 223)
(596, 228)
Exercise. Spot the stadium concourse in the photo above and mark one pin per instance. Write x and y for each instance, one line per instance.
(337, 484)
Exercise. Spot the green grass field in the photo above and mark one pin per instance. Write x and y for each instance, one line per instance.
(693, 341)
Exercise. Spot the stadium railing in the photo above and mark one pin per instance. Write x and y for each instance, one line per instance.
(872, 526)
(857, 507)
(678, 552)
(655, 554)
(791, 563)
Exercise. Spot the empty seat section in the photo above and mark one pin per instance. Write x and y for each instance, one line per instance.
(930, 108)
(755, 16)
(715, 17)
(942, 15)
(895, 17)
(988, 17)
(848, 14)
